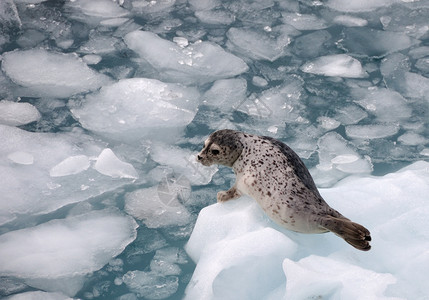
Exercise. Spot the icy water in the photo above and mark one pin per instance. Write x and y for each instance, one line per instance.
(104, 104)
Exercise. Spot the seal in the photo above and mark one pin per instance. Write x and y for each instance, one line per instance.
(273, 174)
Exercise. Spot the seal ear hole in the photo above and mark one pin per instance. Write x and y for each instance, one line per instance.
(215, 151)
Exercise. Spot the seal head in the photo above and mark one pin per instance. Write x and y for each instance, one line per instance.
(223, 147)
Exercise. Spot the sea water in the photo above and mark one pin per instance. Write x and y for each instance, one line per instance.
(105, 103)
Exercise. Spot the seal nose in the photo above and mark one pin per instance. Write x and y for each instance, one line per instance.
(199, 157)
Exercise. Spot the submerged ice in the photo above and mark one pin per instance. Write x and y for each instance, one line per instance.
(104, 105)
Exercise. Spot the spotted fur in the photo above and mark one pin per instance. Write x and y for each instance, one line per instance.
(273, 174)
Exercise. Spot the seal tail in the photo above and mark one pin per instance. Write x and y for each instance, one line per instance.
(353, 233)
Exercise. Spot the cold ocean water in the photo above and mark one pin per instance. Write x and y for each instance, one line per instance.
(104, 105)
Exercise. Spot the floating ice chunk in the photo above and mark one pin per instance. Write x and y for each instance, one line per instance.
(423, 64)
(350, 114)
(359, 5)
(16, 113)
(70, 166)
(204, 4)
(412, 139)
(92, 59)
(259, 81)
(38, 295)
(94, 11)
(304, 21)
(38, 153)
(350, 21)
(183, 162)
(200, 62)
(331, 278)
(341, 65)
(419, 52)
(257, 44)
(225, 93)
(78, 245)
(150, 285)
(21, 157)
(132, 108)
(336, 153)
(373, 131)
(387, 105)
(51, 74)
(328, 123)
(217, 16)
(159, 206)
(312, 44)
(375, 43)
(109, 164)
(425, 152)
(152, 8)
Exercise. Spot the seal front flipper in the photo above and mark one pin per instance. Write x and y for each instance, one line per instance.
(353, 233)
(230, 194)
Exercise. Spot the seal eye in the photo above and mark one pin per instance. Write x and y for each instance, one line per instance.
(215, 151)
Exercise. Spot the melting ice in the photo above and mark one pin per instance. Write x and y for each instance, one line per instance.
(104, 104)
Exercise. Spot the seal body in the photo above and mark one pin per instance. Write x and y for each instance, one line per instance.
(273, 174)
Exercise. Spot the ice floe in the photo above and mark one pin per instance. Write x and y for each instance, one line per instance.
(249, 257)
(131, 108)
(199, 62)
(77, 244)
(17, 113)
(341, 65)
(48, 73)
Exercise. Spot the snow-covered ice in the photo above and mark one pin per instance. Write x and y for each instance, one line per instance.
(249, 257)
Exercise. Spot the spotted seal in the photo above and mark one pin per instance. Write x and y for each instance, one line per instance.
(273, 174)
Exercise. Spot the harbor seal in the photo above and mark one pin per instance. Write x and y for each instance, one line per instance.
(273, 174)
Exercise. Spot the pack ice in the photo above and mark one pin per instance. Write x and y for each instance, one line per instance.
(247, 256)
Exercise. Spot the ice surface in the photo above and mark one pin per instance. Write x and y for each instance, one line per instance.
(160, 206)
(237, 261)
(94, 11)
(257, 44)
(200, 62)
(386, 105)
(350, 21)
(374, 131)
(341, 65)
(151, 285)
(359, 5)
(48, 73)
(38, 295)
(131, 108)
(304, 21)
(16, 113)
(78, 245)
(375, 43)
(110, 165)
(28, 158)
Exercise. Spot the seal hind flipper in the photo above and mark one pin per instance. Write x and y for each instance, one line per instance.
(353, 233)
